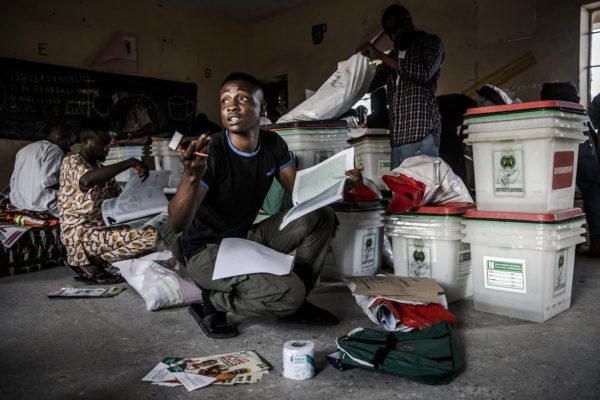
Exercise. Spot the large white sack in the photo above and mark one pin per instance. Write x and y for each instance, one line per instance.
(160, 280)
(338, 94)
(443, 186)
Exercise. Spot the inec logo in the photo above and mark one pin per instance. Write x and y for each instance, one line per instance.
(508, 162)
(418, 255)
(561, 261)
(369, 243)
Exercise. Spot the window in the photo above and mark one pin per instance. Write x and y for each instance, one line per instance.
(593, 67)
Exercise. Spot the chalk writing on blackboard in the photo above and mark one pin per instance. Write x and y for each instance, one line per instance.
(32, 93)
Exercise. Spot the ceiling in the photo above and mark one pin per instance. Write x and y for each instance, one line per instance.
(240, 9)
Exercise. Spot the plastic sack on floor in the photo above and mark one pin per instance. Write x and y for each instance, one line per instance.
(338, 94)
(393, 315)
(424, 180)
(160, 280)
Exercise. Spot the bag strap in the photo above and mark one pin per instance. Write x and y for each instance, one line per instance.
(382, 352)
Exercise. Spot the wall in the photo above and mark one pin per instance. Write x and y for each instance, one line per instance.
(174, 43)
(479, 37)
(179, 43)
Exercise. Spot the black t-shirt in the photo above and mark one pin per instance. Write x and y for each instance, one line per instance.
(237, 184)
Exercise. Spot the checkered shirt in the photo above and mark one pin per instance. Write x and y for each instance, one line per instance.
(411, 99)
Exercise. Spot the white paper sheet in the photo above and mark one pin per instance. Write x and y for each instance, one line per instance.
(159, 373)
(193, 381)
(320, 185)
(241, 256)
(138, 199)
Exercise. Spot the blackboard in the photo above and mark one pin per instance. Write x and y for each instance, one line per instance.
(31, 94)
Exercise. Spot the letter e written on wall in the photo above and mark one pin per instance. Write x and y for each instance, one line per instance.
(42, 48)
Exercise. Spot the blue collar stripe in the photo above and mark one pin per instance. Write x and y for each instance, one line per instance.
(287, 164)
(241, 153)
(204, 184)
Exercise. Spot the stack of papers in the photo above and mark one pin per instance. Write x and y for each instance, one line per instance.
(222, 369)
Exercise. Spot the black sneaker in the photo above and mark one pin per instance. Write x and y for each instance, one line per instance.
(309, 314)
(214, 325)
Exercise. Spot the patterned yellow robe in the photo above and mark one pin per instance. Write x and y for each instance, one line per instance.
(83, 231)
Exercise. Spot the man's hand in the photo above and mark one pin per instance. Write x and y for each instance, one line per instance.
(139, 167)
(195, 165)
(355, 176)
(368, 50)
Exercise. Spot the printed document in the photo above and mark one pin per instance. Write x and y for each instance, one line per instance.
(320, 185)
(137, 200)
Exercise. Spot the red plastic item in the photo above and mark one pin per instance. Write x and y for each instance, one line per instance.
(359, 194)
(417, 316)
(524, 106)
(407, 193)
(556, 216)
(446, 209)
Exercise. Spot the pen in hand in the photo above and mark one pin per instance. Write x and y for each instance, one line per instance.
(180, 150)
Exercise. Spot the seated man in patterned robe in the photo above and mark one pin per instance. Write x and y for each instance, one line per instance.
(84, 184)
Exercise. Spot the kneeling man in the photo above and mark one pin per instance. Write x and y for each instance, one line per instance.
(219, 197)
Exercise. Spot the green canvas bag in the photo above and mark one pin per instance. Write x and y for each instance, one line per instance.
(428, 356)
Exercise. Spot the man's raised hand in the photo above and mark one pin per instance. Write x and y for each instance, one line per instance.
(195, 165)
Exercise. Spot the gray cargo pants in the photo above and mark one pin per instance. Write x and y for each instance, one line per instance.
(267, 294)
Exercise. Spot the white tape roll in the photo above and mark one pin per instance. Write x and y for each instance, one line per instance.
(298, 359)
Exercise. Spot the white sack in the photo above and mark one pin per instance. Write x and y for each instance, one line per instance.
(443, 186)
(157, 277)
(338, 94)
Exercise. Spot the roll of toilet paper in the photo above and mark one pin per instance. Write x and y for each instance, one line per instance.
(298, 359)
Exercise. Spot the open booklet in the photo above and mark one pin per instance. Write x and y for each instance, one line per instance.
(137, 201)
(320, 185)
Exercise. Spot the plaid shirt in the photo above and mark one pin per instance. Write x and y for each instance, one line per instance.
(411, 99)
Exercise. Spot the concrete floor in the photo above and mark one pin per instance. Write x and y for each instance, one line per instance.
(101, 348)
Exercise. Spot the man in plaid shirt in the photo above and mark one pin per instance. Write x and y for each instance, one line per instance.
(411, 72)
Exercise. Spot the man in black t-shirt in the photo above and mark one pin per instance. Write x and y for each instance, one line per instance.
(219, 197)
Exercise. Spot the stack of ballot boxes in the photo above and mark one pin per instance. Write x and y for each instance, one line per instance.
(374, 152)
(313, 141)
(524, 231)
(427, 243)
(121, 150)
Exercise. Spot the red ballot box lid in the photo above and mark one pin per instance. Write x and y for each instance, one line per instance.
(552, 217)
(524, 107)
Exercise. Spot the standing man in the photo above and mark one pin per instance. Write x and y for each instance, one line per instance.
(219, 197)
(411, 72)
(34, 181)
